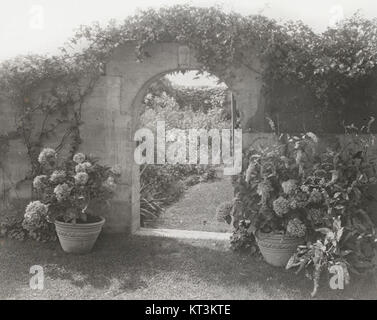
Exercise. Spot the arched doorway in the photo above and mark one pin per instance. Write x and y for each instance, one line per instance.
(185, 63)
(114, 115)
(186, 194)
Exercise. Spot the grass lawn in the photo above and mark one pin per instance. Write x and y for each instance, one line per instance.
(196, 210)
(123, 267)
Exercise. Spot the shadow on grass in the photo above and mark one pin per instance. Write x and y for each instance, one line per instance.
(149, 267)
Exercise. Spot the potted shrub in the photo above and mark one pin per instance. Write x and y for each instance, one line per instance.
(67, 192)
(312, 202)
(273, 205)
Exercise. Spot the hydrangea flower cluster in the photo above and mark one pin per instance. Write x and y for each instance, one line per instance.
(58, 176)
(281, 206)
(36, 222)
(316, 215)
(79, 158)
(39, 182)
(62, 191)
(296, 228)
(83, 167)
(35, 216)
(47, 156)
(34, 210)
(315, 196)
(299, 201)
(81, 178)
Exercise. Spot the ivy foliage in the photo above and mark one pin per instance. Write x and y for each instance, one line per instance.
(332, 61)
(331, 66)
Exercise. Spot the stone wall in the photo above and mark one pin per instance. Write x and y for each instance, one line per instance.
(15, 164)
(111, 114)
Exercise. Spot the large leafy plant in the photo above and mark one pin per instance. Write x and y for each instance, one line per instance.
(322, 255)
(268, 189)
(343, 232)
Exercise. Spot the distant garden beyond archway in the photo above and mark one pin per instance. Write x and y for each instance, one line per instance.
(185, 196)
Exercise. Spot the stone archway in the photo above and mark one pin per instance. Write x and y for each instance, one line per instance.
(117, 100)
(137, 109)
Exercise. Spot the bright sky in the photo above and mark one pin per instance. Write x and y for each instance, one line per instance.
(41, 26)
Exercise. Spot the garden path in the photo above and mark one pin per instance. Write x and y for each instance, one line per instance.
(196, 210)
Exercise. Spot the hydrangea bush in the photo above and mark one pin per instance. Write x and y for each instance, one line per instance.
(66, 190)
(36, 222)
(293, 188)
(270, 189)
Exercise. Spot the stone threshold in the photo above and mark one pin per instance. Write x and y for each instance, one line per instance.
(183, 234)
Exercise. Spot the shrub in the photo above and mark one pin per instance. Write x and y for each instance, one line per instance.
(12, 228)
(36, 222)
(11, 218)
(268, 188)
(66, 190)
(292, 188)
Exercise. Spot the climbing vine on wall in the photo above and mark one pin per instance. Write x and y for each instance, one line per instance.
(47, 94)
(332, 66)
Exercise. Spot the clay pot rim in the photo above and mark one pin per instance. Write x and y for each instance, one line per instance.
(80, 225)
(283, 236)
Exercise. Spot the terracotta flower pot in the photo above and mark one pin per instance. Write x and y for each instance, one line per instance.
(277, 248)
(80, 237)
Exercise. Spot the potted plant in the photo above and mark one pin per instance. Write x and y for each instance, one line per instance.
(343, 237)
(273, 205)
(312, 202)
(67, 194)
